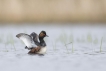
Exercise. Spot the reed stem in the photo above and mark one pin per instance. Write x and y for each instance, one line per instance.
(101, 45)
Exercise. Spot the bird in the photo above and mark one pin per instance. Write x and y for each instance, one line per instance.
(32, 43)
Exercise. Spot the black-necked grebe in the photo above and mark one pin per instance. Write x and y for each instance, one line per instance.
(32, 43)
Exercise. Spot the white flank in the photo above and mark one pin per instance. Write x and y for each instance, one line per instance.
(42, 50)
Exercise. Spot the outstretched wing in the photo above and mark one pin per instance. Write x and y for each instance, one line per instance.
(35, 38)
(27, 39)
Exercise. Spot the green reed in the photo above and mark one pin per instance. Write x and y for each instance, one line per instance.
(64, 38)
(101, 44)
(54, 46)
(11, 41)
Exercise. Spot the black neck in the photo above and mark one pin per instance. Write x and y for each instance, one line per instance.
(42, 42)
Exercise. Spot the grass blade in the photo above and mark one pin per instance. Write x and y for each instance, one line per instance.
(101, 44)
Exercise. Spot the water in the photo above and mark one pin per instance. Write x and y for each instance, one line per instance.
(86, 53)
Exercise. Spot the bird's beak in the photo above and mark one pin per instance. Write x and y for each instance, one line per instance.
(47, 36)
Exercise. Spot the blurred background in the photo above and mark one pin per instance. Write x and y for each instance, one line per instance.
(19, 11)
(76, 30)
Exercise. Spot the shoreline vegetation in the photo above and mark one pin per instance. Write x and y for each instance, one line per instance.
(52, 10)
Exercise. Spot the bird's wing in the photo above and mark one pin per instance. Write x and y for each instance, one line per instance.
(35, 38)
(27, 39)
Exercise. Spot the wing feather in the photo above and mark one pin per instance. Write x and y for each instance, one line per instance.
(35, 38)
(27, 39)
